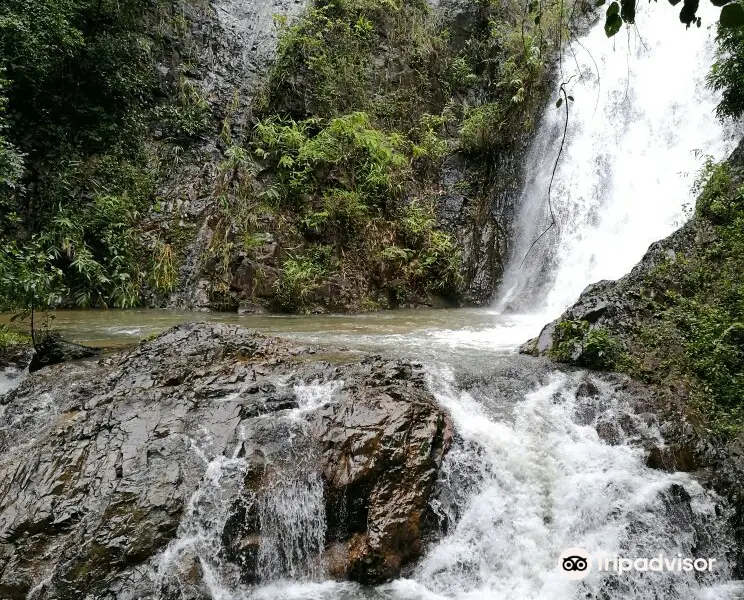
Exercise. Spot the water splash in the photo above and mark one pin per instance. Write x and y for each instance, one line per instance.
(293, 526)
(316, 394)
(10, 379)
(521, 490)
(198, 545)
(288, 506)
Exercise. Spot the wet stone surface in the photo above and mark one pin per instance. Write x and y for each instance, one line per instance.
(101, 461)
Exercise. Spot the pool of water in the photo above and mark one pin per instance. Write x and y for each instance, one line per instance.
(417, 334)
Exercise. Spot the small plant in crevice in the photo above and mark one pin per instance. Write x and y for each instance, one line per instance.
(299, 279)
(576, 342)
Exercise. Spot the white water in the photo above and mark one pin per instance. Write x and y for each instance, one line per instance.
(543, 481)
(10, 379)
(640, 125)
(529, 475)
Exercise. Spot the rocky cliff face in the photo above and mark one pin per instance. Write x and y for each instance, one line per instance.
(228, 48)
(477, 208)
(235, 44)
(144, 473)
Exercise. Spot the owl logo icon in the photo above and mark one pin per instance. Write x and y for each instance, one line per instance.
(574, 563)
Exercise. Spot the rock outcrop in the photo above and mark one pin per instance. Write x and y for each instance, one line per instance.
(53, 350)
(228, 48)
(474, 203)
(105, 466)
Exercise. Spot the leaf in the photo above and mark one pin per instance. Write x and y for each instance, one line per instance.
(599, 3)
(689, 8)
(571, 98)
(719, 3)
(613, 25)
(732, 15)
(613, 9)
(558, 102)
(674, 2)
(628, 10)
(537, 18)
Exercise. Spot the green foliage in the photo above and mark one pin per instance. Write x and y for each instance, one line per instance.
(727, 73)
(299, 279)
(331, 82)
(78, 93)
(716, 202)
(482, 128)
(577, 343)
(188, 117)
(697, 336)
(11, 166)
(163, 272)
(349, 152)
(624, 12)
(76, 68)
(29, 278)
(347, 180)
(331, 63)
(365, 100)
(525, 38)
(9, 338)
(433, 259)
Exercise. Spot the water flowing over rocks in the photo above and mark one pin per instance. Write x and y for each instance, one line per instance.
(624, 306)
(115, 473)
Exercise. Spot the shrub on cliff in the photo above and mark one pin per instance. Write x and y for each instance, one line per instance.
(347, 184)
(577, 343)
(79, 90)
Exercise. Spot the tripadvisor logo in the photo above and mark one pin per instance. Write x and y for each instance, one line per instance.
(576, 563)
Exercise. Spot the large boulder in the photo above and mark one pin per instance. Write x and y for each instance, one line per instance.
(283, 463)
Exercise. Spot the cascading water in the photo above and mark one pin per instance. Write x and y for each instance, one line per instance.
(289, 509)
(641, 122)
(529, 474)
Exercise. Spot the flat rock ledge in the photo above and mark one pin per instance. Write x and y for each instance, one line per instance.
(101, 462)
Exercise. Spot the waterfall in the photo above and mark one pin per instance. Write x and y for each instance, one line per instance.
(530, 475)
(288, 507)
(641, 122)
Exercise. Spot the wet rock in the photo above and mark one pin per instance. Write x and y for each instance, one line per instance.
(672, 458)
(16, 357)
(382, 451)
(477, 207)
(53, 350)
(101, 463)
